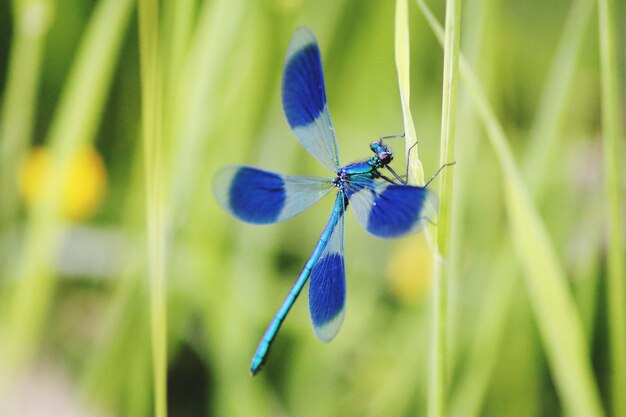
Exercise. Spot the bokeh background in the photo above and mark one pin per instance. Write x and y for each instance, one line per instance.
(74, 307)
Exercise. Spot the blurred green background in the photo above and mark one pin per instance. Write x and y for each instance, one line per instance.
(74, 306)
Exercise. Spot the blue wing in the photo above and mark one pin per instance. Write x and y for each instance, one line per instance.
(263, 197)
(327, 289)
(390, 210)
(304, 99)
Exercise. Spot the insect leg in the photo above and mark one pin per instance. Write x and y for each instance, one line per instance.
(438, 171)
(382, 138)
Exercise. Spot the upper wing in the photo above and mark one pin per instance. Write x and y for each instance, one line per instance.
(327, 289)
(263, 197)
(304, 99)
(390, 210)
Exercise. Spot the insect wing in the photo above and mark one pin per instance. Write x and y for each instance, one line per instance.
(327, 288)
(304, 99)
(262, 197)
(391, 210)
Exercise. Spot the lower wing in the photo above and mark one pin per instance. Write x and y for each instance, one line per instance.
(390, 210)
(327, 288)
(263, 197)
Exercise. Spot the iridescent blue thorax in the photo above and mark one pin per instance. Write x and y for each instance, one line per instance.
(365, 169)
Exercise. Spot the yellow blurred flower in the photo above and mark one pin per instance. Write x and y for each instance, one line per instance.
(411, 269)
(83, 186)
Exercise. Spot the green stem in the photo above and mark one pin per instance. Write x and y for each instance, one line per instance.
(611, 111)
(448, 121)
(151, 94)
(32, 19)
(403, 66)
(437, 391)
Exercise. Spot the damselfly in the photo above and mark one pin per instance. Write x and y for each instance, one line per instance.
(386, 207)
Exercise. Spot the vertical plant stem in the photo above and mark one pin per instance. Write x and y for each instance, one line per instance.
(151, 93)
(31, 19)
(437, 391)
(403, 66)
(612, 153)
(436, 401)
(415, 174)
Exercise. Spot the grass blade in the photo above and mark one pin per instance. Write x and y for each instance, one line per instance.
(438, 380)
(550, 115)
(448, 121)
(436, 403)
(403, 66)
(151, 95)
(16, 120)
(616, 285)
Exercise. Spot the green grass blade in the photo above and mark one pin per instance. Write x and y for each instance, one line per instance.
(436, 402)
(551, 112)
(448, 122)
(616, 285)
(151, 96)
(32, 19)
(554, 308)
(438, 378)
(415, 174)
(403, 67)
(467, 393)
